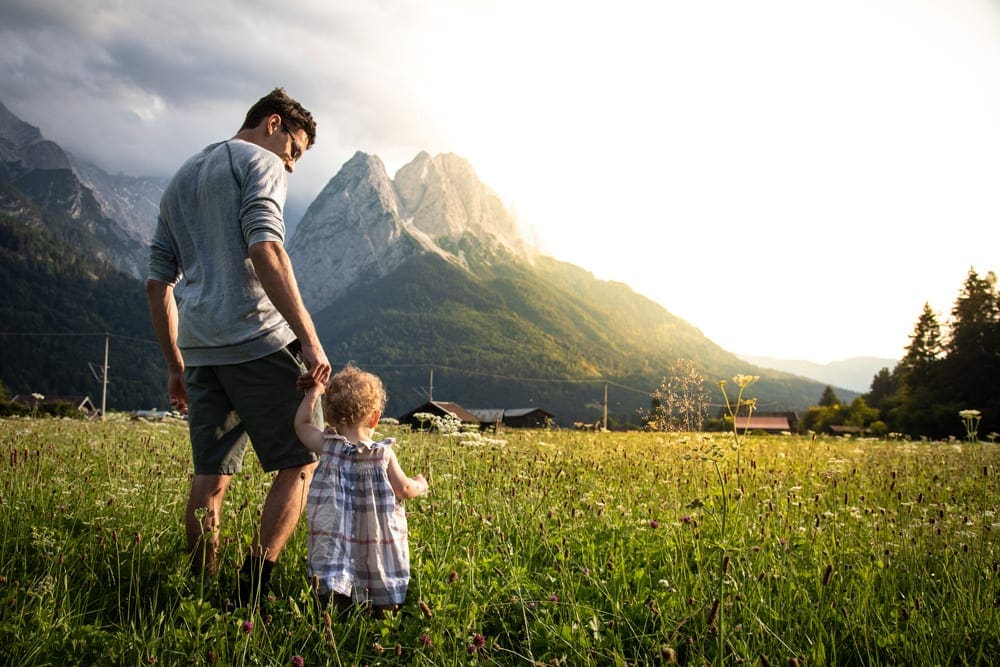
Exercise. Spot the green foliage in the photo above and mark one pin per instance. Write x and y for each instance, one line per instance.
(681, 401)
(545, 335)
(555, 547)
(49, 288)
(940, 377)
(820, 419)
(829, 398)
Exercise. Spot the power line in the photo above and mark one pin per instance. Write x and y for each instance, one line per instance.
(36, 334)
(426, 365)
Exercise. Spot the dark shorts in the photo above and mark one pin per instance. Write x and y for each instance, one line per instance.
(256, 399)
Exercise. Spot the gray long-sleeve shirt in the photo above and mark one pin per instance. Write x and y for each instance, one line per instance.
(220, 202)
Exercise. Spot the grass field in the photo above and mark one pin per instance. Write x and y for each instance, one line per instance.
(551, 547)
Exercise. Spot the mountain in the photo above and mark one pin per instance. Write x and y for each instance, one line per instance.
(72, 246)
(57, 309)
(427, 272)
(364, 226)
(422, 274)
(110, 217)
(855, 374)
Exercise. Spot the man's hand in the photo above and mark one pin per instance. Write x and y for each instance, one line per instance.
(319, 367)
(177, 391)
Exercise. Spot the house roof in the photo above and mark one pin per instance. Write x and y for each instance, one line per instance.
(763, 423)
(520, 412)
(489, 415)
(499, 414)
(448, 407)
(79, 401)
(846, 429)
(457, 410)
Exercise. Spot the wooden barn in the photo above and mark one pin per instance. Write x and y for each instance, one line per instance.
(80, 402)
(513, 417)
(769, 422)
(441, 409)
(843, 429)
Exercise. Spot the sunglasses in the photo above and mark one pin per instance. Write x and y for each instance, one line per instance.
(297, 149)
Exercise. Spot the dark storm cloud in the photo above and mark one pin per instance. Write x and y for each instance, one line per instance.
(137, 87)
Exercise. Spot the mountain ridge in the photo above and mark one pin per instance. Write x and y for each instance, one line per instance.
(79, 198)
(854, 373)
(425, 270)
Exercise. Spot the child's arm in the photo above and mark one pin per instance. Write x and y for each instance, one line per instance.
(310, 436)
(404, 487)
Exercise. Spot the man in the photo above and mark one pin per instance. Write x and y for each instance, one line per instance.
(238, 341)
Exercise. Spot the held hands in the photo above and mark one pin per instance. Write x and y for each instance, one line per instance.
(319, 367)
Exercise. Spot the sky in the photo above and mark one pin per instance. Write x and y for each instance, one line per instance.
(794, 178)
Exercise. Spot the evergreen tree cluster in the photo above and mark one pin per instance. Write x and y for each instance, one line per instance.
(946, 369)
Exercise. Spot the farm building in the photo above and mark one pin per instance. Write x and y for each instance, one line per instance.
(441, 409)
(81, 403)
(769, 422)
(843, 429)
(513, 417)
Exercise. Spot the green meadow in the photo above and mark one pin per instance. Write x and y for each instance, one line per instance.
(533, 547)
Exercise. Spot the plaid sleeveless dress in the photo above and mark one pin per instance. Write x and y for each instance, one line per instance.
(357, 529)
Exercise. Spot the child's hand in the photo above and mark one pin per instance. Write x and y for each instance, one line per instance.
(311, 389)
(306, 382)
(419, 479)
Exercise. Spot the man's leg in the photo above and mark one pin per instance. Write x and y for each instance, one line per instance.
(282, 509)
(265, 395)
(283, 506)
(202, 518)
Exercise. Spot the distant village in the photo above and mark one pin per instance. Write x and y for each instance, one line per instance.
(494, 419)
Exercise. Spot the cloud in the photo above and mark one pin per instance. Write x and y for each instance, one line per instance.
(110, 81)
(684, 148)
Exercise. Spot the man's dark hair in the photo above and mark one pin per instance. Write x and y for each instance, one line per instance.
(293, 114)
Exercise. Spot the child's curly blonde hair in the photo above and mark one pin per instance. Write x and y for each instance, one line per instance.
(352, 395)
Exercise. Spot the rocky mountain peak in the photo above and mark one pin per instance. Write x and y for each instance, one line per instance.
(14, 132)
(443, 197)
(351, 232)
(23, 145)
(125, 209)
(363, 225)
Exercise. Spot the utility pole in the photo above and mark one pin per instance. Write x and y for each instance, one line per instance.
(605, 406)
(430, 388)
(104, 382)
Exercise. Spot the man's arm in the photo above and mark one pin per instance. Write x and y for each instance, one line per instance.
(274, 270)
(163, 312)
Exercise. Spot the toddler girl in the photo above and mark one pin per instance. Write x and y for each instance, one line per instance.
(358, 546)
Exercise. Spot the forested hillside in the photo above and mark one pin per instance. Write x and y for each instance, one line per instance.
(517, 335)
(56, 306)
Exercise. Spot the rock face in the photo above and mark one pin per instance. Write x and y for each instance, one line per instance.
(444, 197)
(119, 212)
(362, 226)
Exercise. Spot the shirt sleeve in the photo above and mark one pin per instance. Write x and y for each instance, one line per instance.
(265, 186)
(163, 264)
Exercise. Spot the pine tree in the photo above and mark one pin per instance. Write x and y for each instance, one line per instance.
(913, 409)
(972, 367)
(882, 389)
(829, 398)
(921, 363)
